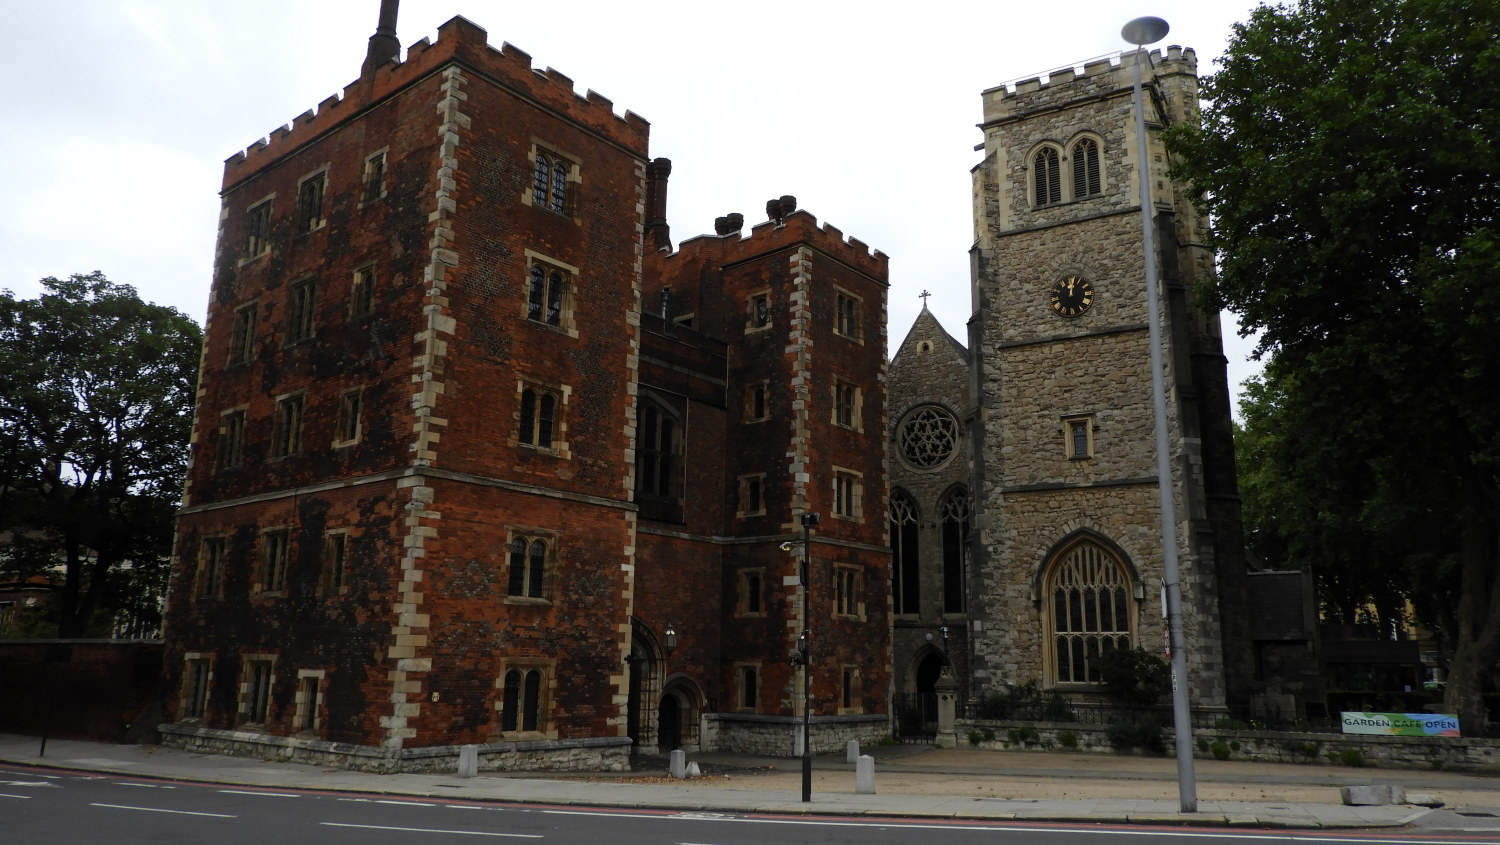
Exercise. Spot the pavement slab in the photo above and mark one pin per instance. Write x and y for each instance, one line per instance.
(911, 782)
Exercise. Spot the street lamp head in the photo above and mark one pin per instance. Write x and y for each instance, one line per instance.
(1143, 31)
(670, 637)
(790, 544)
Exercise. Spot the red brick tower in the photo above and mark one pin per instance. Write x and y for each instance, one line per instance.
(452, 484)
(792, 421)
(408, 520)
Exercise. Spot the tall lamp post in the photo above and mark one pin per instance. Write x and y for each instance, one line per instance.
(803, 655)
(1140, 32)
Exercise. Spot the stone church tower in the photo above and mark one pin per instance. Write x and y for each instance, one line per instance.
(1064, 559)
(1068, 552)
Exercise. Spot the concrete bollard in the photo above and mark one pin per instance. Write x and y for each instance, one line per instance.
(693, 771)
(1366, 795)
(468, 761)
(678, 768)
(853, 754)
(864, 775)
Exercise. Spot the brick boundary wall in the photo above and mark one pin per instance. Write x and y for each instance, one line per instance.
(1459, 754)
(81, 689)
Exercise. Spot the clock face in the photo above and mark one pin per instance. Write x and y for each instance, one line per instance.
(1072, 296)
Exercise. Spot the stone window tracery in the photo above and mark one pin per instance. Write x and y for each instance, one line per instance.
(905, 575)
(1089, 609)
(927, 437)
(957, 509)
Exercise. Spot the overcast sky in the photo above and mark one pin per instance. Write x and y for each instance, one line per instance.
(116, 115)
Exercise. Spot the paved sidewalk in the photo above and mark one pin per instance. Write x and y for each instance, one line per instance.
(912, 781)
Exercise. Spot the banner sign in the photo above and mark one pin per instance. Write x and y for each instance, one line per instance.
(1399, 724)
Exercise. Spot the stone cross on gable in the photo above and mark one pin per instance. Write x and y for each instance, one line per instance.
(924, 294)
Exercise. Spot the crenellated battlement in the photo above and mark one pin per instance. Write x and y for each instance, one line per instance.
(1099, 75)
(799, 227)
(466, 43)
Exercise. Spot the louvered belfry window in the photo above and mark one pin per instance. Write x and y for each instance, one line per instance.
(1047, 178)
(1086, 181)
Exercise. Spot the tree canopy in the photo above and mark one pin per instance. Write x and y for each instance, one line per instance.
(96, 401)
(1348, 159)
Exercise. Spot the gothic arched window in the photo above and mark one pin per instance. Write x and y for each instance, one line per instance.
(1046, 176)
(905, 571)
(1086, 178)
(956, 509)
(1089, 610)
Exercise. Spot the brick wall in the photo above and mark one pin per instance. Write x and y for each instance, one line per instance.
(81, 689)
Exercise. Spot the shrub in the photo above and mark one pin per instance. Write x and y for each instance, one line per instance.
(1068, 739)
(975, 737)
(1203, 745)
(1352, 757)
(1135, 677)
(1220, 749)
(1055, 708)
(1234, 745)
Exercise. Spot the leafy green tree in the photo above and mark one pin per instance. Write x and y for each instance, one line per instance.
(96, 401)
(1349, 161)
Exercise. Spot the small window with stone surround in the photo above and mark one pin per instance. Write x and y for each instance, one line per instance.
(848, 494)
(554, 181)
(758, 311)
(255, 689)
(758, 401)
(525, 697)
(530, 561)
(242, 333)
(1078, 437)
(310, 194)
(849, 319)
(372, 181)
(258, 229)
(197, 679)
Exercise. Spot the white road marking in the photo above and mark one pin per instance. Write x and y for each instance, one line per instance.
(160, 810)
(433, 830)
(404, 803)
(26, 783)
(263, 794)
(144, 785)
(8, 795)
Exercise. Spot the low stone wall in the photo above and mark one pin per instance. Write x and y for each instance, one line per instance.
(81, 689)
(776, 736)
(1460, 754)
(602, 754)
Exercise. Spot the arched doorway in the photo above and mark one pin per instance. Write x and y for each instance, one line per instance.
(677, 715)
(669, 723)
(645, 679)
(916, 711)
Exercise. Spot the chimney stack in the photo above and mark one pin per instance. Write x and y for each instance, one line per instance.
(384, 46)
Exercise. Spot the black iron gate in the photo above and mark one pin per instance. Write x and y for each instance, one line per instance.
(916, 717)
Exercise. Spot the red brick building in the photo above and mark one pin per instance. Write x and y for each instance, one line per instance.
(478, 459)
